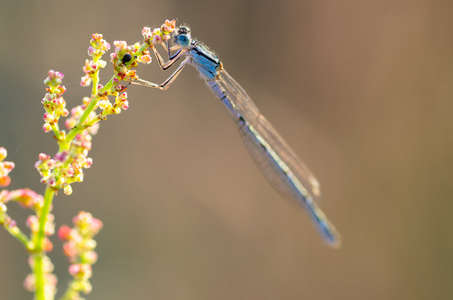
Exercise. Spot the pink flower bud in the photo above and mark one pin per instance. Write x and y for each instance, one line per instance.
(64, 233)
(5, 181)
(70, 249)
(91, 50)
(61, 156)
(146, 32)
(85, 80)
(156, 39)
(43, 157)
(47, 245)
(32, 222)
(80, 271)
(47, 117)
(67, 190)
(30, 283)
(90, 257)
(46, 127)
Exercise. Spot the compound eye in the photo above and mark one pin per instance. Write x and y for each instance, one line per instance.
(184, 40)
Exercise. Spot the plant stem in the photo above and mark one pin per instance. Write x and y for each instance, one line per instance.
(19, 235)
(78, 127)
(70, 293)
(39, 255)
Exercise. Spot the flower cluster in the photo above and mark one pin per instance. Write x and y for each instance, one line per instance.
(53, 102)
(126, 57)
(79, 248)
(109, 108)
(159, 35)
(67, 166)
(98, 48)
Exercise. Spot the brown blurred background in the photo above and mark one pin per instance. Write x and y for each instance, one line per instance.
(362, 90)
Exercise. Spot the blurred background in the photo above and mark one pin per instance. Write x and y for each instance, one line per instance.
(363, 92)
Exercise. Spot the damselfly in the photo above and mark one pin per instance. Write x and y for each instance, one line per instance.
(275, 158)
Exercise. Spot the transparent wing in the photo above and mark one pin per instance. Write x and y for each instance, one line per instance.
(279, 164)
(244, 106)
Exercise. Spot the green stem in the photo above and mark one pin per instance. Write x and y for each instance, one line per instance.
(19, 235)
(39, 276)
(142, 48)
(39, 244)
(78, 127)
(56, 131)
(70, 292)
